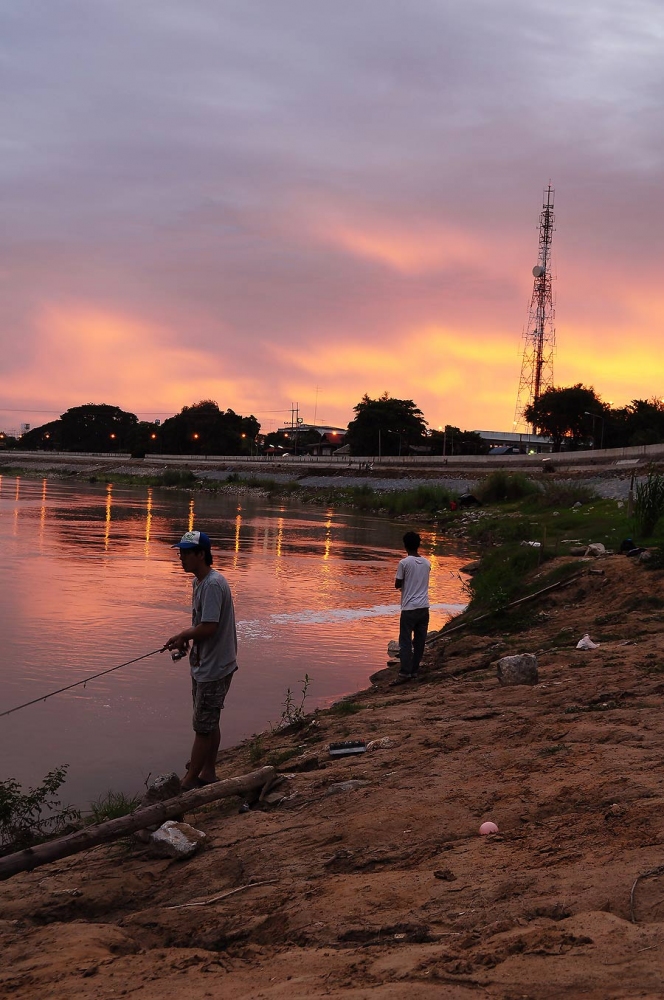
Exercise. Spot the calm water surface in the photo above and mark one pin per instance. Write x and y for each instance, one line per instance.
(88, 580)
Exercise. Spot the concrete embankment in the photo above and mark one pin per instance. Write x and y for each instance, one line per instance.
(609, 473)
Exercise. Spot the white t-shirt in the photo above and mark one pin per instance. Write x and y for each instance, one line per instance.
(414, 571)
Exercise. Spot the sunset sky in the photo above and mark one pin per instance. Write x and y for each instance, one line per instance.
(274, 201)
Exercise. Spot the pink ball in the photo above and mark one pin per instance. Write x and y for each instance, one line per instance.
(487, 828)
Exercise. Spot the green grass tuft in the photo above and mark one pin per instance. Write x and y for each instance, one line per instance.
(111, 806)
(345, 707)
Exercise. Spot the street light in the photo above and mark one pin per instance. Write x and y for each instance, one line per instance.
(596, 416)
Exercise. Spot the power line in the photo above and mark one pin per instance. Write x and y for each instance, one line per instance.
(31, 409)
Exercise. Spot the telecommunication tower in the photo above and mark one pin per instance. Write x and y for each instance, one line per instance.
(540, 335)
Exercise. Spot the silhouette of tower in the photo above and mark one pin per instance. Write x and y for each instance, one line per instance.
(539, 335)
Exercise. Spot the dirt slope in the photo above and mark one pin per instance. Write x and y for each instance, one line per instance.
(385, 890)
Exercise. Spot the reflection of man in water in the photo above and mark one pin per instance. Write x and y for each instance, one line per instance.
(413, 582)
(213, 653)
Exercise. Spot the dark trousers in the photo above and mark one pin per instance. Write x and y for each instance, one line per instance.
(413, 626)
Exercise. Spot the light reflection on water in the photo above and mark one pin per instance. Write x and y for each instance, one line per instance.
(88, 580)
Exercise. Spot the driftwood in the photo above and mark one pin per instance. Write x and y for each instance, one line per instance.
(102, 833)
(224, 895)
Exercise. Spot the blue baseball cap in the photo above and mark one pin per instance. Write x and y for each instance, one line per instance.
(193, 540)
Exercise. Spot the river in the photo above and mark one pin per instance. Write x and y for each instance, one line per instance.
(88, 581)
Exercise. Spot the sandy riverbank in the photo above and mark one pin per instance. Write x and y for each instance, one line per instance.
(384, 889)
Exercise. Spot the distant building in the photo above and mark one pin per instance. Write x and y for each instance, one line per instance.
(329, 440)
(514, 443)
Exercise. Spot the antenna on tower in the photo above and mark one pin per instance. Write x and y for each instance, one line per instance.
(540, 335)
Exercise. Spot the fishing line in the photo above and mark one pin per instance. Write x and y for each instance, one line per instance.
(84, 681)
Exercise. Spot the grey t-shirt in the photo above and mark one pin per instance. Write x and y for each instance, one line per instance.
(214, 658)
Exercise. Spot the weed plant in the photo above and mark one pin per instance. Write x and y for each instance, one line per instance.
(649, 505)
(293, 711)
(256, 750)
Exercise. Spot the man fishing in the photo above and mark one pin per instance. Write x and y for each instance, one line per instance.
(412, 580)
(212, 657)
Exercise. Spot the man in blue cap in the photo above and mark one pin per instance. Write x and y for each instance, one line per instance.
(213, 653)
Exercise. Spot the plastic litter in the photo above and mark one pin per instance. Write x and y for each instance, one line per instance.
(488, 828)
(586, 643)
(533, 545)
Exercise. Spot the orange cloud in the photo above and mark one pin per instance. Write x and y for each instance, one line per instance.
(407, 248)
(452, 376)
(86, 354)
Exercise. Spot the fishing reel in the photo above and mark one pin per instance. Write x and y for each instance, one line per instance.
(179, 654)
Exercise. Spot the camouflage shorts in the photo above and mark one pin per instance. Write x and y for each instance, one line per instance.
(208, 698)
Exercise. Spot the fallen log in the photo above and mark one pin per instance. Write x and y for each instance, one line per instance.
(113, 829)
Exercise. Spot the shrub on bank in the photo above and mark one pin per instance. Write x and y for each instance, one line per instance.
(422, 499)
(501, 486)
(561, 496)
(501, 576)
(28, 817)
(178, 477)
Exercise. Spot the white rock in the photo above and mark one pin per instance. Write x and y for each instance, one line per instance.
(176, 840)
(382, 744)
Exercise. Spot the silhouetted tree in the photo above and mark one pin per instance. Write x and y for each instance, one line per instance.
(385, 425)
(454, 441)
(91, 427)
(204, 429)
(640, 422)
(561, 414)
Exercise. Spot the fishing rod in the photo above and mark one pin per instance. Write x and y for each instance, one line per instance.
(84, 681)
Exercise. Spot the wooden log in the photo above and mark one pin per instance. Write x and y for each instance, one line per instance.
(113, 829)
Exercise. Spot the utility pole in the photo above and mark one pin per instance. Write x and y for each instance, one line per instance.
(540, 335)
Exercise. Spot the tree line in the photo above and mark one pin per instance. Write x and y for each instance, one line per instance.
(383, 426)
(572, 416)
(576, 417)
(200, 429)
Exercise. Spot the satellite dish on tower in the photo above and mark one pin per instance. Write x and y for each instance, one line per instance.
(538, 271)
